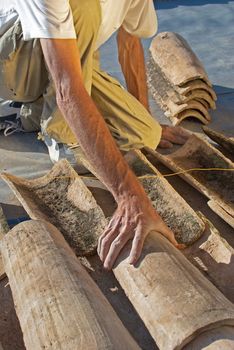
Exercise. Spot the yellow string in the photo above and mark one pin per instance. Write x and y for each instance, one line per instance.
(197, 169)
(164, 175)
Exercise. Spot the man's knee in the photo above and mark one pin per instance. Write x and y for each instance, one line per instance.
(23, 73)
(137, 137)
(153, 137)
(150, 133)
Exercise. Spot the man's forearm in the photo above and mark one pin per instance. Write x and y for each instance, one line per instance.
(135, 217)
(85, 120)
(132, 61)
(99, 146)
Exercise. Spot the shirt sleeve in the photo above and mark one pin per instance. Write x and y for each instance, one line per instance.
(50, 19)
(141, 19)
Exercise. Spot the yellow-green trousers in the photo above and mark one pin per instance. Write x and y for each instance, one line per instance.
(24, 78)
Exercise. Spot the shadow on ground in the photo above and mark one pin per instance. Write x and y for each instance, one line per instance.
(169, 4)
(220, 90)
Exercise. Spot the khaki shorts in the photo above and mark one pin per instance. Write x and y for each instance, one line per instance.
(23, 74)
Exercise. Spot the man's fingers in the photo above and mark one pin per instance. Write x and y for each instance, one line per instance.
(120, 230)
(181, 246)
(165, 144)
(176, 130)
(183, 132)
(137, 246)
(112, 226)
(115, 248)
(177, 140)
(105, 241)
(180, 131)
(165, 231)
(174, 137)
(175, 134)
(105, 233)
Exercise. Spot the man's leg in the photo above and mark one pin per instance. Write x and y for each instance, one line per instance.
(130, 123)
(23, 75)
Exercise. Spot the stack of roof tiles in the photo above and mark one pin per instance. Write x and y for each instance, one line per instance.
(178, 80)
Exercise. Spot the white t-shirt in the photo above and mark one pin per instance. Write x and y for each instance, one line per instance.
(39, 18)
(53, 18)
(138, 17)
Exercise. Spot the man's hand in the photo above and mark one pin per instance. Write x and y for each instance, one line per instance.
(173, 135)
(133, 220)
(135, 216)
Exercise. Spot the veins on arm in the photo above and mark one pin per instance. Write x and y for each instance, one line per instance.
(132, 61)
(83, 117)
(135, 217)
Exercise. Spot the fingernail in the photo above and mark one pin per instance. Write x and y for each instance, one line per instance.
(180, 246)
(106, 267)
(131, 261)
(101, 257)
